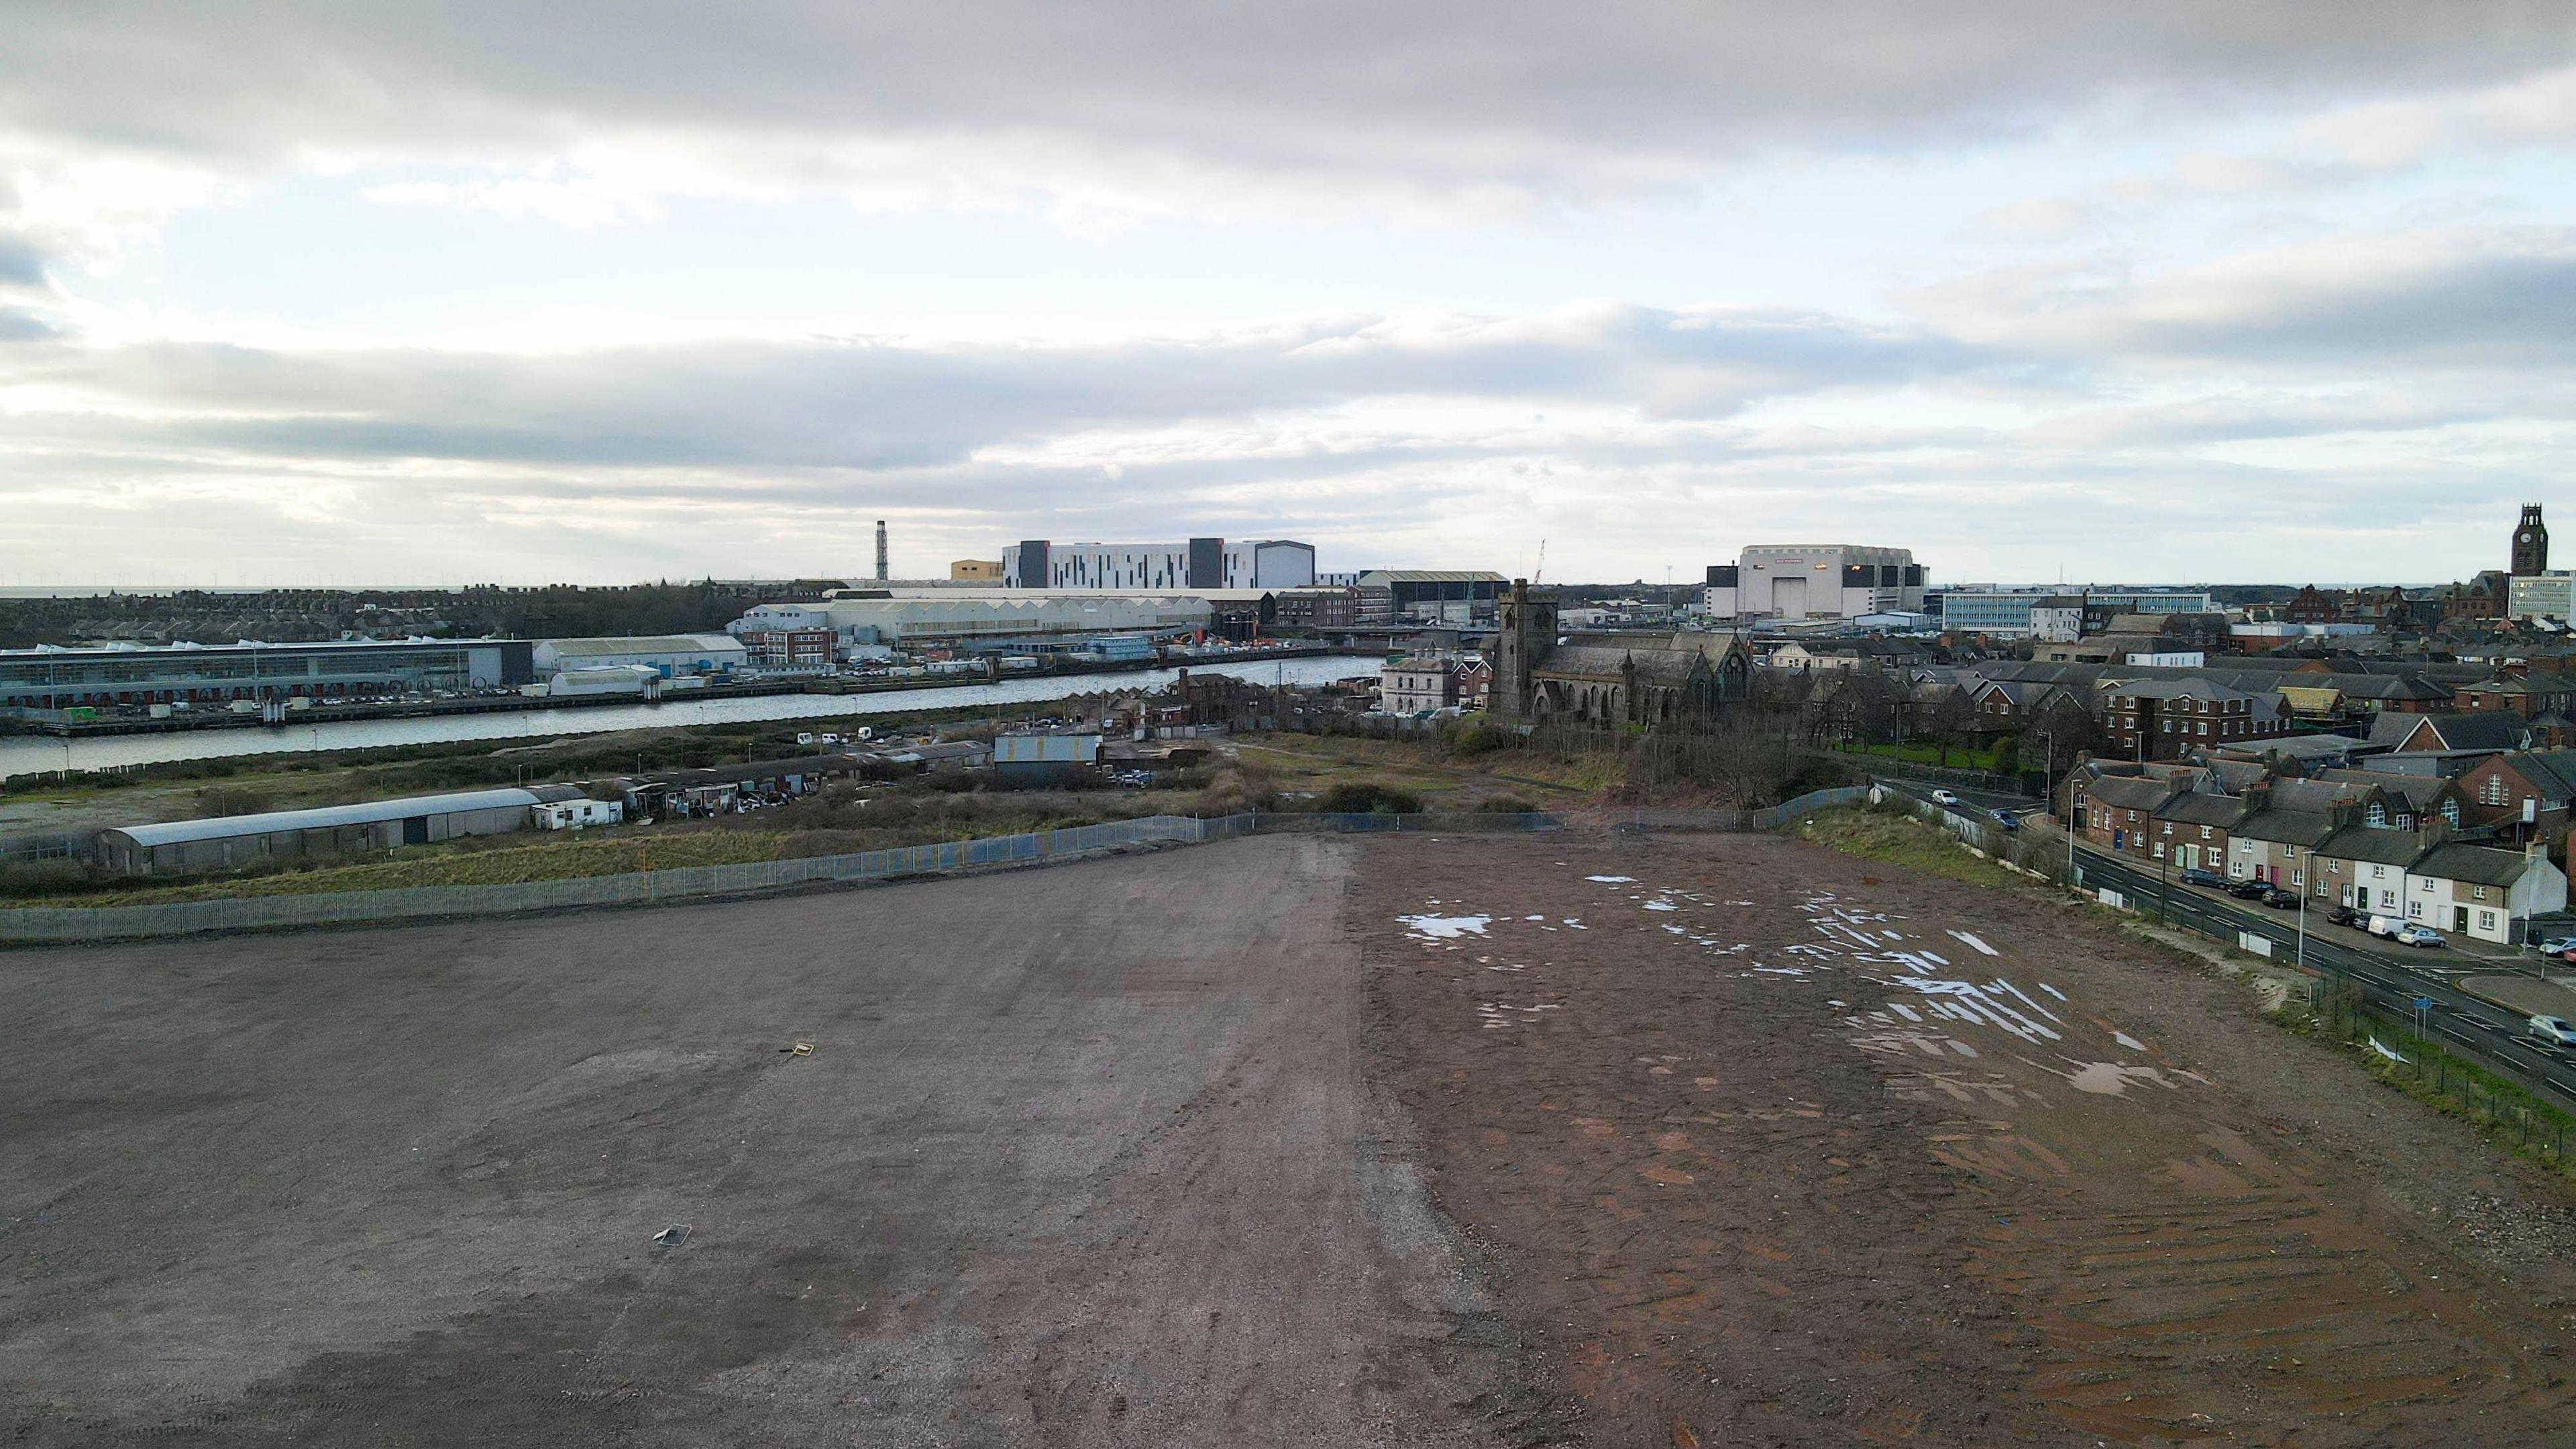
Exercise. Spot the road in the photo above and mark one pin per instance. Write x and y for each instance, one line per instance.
(2454, 1015)
(2394, 984)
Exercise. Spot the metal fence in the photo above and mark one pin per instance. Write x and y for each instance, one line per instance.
(37, 925)
(1774, 816)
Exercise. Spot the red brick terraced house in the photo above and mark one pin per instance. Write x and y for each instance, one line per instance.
(2524, 795)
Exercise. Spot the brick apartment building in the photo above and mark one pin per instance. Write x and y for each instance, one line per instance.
(2164, 719)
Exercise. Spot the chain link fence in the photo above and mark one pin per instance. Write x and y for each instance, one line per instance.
(54, 925)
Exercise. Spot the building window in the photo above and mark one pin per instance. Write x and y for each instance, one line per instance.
(2486, 920)
(2477, 893)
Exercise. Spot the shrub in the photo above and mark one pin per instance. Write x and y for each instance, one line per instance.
(1362, 797)
(1506, 805)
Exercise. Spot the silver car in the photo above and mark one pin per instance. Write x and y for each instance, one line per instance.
(2554, 1030)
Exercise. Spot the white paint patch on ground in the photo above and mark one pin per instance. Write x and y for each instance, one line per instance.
(2126, 1040)
(1974, 941)
(1611, 879)
(2053, 991)
(2107, 1079)
(1443, 928)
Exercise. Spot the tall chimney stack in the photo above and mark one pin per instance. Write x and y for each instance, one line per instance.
(881, 551)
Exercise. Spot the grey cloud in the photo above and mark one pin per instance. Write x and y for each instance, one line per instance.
(1444, 93)
(2487, 298)
(876, 406)
(19, 325)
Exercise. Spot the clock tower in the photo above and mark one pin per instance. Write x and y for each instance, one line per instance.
(2530, 543)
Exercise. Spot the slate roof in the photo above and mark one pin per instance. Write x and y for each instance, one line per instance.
(2122, 792)
(2554, 771)
(2379, 847)
(2306, 828)
(2195, 807)
(2475, 864)
(2494, 729)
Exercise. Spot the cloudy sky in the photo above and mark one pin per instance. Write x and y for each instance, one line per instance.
(2196, 290)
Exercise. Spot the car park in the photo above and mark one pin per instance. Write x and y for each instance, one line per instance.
(2413, 935)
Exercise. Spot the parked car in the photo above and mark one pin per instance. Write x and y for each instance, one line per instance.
(2412, 935)
(1944, 797)
(2194, 876)
(2347, 916)
(2249, 890)
(2553, 1030)
(2279, 899)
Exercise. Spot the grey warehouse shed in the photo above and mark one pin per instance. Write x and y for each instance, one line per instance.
(236, 840)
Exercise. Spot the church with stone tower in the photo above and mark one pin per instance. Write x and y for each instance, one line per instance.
(1608, 678)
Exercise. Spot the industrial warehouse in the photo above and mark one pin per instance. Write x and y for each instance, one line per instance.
(229, 842)
(51, 678)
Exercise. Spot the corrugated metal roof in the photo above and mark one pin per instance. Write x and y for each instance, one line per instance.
(372, 812)
(645, 644)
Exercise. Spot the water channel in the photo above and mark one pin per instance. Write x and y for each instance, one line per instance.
(40, 754)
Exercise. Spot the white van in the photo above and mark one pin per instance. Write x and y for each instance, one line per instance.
(2385, 927)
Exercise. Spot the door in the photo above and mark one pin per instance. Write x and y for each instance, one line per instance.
(415, 830)
(2460, 915)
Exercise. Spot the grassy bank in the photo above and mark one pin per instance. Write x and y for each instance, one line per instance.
(1897, 838)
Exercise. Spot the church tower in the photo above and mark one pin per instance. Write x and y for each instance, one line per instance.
(2530, 543)
(1527, 635)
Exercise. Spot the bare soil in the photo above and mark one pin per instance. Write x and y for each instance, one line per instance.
(1077, 1156)
(1216, 1146)
(1767, 1152)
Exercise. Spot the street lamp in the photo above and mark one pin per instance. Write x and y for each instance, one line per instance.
(2302, 884)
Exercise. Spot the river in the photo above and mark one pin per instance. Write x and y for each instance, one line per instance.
(38, 755)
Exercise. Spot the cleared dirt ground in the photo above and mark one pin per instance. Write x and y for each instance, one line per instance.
(1290, 1140)
(1776, 1146)
(1079, 1156)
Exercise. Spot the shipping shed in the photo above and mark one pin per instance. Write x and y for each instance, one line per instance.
(181, 846)
(1044, 759)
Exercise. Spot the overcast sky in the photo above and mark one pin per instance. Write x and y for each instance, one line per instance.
(516, 291)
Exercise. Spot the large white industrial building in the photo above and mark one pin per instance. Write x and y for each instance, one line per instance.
(905, 615)
(1815, 581)
(669, 655)
(1200, 563)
